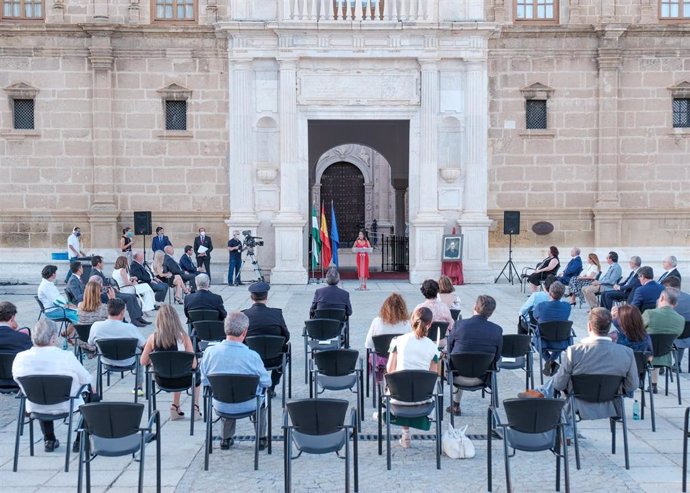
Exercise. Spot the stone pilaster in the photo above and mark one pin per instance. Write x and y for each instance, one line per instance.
(289, 223)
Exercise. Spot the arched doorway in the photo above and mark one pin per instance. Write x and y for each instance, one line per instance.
(342, 184)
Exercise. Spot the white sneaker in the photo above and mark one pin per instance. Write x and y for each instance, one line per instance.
(375, 416)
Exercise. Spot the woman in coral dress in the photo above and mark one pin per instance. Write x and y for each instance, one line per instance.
(362, 260)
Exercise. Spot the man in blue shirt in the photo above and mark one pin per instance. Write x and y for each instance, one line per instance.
(553, 310)
(534, 299)
(232, 356)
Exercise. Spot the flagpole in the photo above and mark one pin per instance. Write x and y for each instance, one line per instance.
(321, 259)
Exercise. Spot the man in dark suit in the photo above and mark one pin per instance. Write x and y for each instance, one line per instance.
(203, 257)
(573, 268)
(474, 335)
(12, 338)
(669, 264)
(188, 262)
(625, 290)
(160, 241)
(647, 294)
(141, 270)
(174, 268)
(203, 299)
(265, 321)
(131, 300)
(74, 285)
(553, 310)
(331, 296)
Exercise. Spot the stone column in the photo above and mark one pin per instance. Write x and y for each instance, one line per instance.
(473, 222)
(426, 231)
(289, 223)
(399, 212)
(102, 211)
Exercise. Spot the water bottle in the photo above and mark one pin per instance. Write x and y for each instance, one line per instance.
(636, 410)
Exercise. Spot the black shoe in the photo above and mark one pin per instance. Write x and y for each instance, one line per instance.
(143, 321)
(51, 445)
(75, 447)
(554, 367)
(547, 369)
(137, 323)
(263, 443)
(662, 371)
(271, 392)
(226, 443)
(654, 389)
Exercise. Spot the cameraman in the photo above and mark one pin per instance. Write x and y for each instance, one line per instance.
(235, 249)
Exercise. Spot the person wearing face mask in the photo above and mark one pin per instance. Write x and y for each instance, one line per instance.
(160, 241)
(126, 241)
(73, 249)
(235, 249)
(203, 246)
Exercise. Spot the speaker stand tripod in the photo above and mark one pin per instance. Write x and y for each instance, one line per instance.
(509, 264)
(144, 248)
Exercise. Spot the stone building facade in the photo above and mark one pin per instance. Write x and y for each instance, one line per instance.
(260, 81)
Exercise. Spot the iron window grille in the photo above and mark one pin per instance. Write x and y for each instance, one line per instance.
(681, 112)
(23, 114)
(535, 114)
(176, 115)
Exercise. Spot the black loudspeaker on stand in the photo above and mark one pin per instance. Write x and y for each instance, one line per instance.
(142, 226)
(511, 226)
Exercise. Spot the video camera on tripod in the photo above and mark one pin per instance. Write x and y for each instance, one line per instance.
(250, 242)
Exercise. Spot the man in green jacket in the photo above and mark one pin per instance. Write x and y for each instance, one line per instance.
(663, 320)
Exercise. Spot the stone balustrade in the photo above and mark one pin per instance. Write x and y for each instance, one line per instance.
(361, 10)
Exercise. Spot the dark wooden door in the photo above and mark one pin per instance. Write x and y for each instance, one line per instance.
(343, 183)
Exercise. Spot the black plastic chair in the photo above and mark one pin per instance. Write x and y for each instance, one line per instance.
(473, 365)
(519, 348)
(198, 316)
(686, 434)
(206, 331)
(273, 348)
(117, 350)
(63, 321)
(338, 369)
(7, 384)
(644, 369)
(437, 331)
(684, 335)
(318, 427)
(455, 313)
(557, 331)
(113, 429)
(336, 314)
(172, 371)
(320, 334)
(45, 390)
(382, 344)
(534, 425)
(229, 388)
(662, 345)
(410, 386)
(599, 389)
(82, 332)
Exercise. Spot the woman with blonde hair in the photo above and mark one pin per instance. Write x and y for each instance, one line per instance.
(169, 335)
(167, 277)
(446, 292)
(589, 275)
(130, 284)
(92, 309)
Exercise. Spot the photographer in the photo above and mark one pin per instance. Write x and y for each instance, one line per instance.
(235, 250)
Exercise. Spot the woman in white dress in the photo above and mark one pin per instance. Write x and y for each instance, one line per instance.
(131, 285)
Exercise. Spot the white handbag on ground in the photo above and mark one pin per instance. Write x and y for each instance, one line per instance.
(456, 444)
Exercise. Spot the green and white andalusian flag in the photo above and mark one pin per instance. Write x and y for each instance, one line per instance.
(315, 240)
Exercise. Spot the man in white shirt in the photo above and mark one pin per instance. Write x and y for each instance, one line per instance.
(115, 328)
(56, 308)
(44, 358)
(73, 249)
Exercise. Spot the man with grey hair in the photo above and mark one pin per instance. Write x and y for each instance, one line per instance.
(232, 357)
(45, 358)
(141, 270)
(669, 264)
(663, 320)
(203, 299)
(625, 290)
(573, 268)
(331, 296)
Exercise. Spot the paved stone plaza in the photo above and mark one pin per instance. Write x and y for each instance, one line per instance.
(655, 458)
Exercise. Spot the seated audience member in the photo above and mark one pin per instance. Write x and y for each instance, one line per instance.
(588, 276)
(203, 299)
(331, 296)
(605, 282)
(45, 358)
(624, 291)
(91, 310)
(163, 275)
(74, 285)
(630, 329)
(232, 356)
(55, 305)
(131, 300)
(547, 266)
(440, 310)
(393, 319)
(669, 264)
(573, 268)
(140, 269)
(663, 320)
(169, 335)
(173, 267)
(648, 293)
(683, 308)
(594, 355)
(475, 335)
(12, 338)
(553, 310)
(527, 309)
(446, 293)
(413, 351)
(114, 328)
(266, 321)
(188, 261)
(131, 285)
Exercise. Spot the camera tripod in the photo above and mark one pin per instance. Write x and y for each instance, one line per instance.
(509, 264)
(249, 255)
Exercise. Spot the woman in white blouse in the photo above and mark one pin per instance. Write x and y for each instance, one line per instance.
(131, 285)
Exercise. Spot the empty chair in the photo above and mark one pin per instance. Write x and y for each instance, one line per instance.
(475, 371)
(644, 369)
(117, 356)
(82, 332)
(171, 371)
(437, 332)
(336, 314)
(662, 345)
(338, 369)
(552, 332)
(377, 359)
(273, 349)
(320, 334)
(533, 425)
(113, 429)
(318, 426)
(199, 315)
(680, 344)
(518, 348)
(206, 332)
